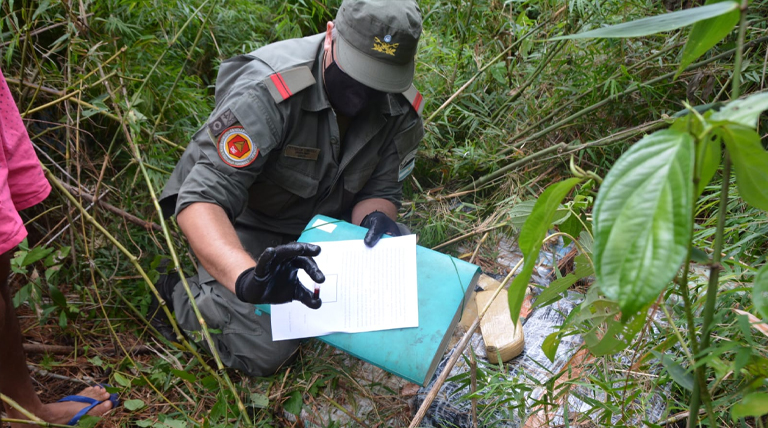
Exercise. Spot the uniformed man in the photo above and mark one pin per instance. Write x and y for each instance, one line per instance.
(327, 124)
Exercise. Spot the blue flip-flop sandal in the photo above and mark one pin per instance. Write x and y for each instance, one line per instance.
(92, 402)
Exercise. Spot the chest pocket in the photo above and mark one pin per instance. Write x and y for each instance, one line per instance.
(281, 191)
(356, 176)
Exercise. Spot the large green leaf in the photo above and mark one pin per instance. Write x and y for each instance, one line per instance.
(642, 219)
(531, 236)
(706, 34)
(744, 112)
(754, 404)
(657, 24)
(760, 291)
(750, 162)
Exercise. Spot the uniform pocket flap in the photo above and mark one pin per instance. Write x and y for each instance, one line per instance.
(294, 182)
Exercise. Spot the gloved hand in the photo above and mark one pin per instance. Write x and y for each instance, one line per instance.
(274, 279)
(378, 224)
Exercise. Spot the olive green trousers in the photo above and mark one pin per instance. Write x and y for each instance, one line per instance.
(242, 335)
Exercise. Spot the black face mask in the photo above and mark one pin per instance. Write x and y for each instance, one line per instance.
(348, 97)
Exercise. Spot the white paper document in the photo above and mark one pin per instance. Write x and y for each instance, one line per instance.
(365, 289)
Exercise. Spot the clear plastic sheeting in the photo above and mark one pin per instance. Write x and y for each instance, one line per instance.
(513, 394)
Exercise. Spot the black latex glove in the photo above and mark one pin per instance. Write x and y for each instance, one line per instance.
(378, 224)
(274, 279)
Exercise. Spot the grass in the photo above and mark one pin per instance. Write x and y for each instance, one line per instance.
(153, 64)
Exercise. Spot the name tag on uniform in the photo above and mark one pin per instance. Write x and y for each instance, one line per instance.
(306, 153)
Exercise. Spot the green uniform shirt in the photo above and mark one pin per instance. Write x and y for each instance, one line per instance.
(272, 147)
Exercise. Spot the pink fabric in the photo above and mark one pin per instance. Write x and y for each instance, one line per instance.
(22, 182)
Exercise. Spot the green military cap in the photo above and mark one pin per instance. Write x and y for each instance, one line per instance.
(377, 41)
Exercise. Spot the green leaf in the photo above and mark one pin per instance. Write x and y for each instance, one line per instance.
(699, 256)
(642, 219)
(744, 112)
(516, 291)
(680, 375)
(558, 286)
(88, 421)
(122, 380)
(706, 34)
(57, 296)
(520, 212)
(709, 157)
(657, 24)
(294, 403)
(754, 404)
(572, 226)
(531, 236)
(750, 163)
(175, 423)
(184, 375)
(35, 254)
(617, 337)
(550, 344)
(760, 291)
(536, 225)
(259, 401)
(134, 404)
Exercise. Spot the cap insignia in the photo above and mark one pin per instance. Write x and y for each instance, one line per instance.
(385, 47)
(236, 148)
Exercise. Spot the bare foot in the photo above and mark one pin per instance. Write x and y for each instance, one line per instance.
(63, 412)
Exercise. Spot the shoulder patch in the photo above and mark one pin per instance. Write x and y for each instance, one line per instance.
(286, 83)
(236, 148)
(414, 97)
(224, 121)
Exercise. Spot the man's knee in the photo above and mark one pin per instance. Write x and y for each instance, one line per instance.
(243, 339)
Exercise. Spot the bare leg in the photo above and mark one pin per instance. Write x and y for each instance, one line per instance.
(14, 377)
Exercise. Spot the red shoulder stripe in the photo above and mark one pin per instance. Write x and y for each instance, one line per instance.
(417, 101)
(277, 79)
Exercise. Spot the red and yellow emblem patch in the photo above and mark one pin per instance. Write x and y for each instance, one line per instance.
(236, 148)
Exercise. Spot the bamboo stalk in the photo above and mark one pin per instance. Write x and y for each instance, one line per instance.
(700, 390)
(560, 108)
(31, 419)
(473, 386)
(166, 231)
(480, 73)
(457, 352)
(113, 209)
(203, 325)
(181, 71)
(117, 339)
(498, 173)
(67, 96)
(41, 348)
(467, 235)
(634, 88)
(462, 42)
(559, 45)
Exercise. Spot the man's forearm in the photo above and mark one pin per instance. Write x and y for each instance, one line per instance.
(365, 207)
(215, 243)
